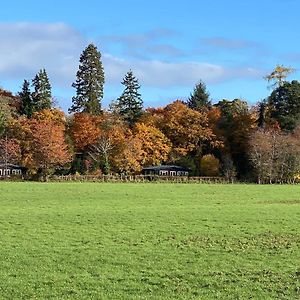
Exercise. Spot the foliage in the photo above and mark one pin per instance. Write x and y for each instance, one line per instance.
(26, 102)
(235, 125)
(210, 165)
(130, 104)
(42, 141)
(275, 155)
(186, 128)
(155, 145)
(284, 105)
(41, 96)
(10, 151)
(89, 82)
(199, 99)
(279, 74)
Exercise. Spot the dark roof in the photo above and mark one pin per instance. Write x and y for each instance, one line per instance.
(166, 167)
(11, 166)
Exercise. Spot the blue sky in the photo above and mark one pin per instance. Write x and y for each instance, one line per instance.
(169, 45)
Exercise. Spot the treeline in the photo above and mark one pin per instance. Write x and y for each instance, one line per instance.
(228, 138)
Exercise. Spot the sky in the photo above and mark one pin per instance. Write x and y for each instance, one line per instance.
(169, 45)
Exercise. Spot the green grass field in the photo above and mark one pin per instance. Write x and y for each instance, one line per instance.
(149, 241)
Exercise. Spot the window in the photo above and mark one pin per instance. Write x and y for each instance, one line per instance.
(172, 173)
(163, 173)
(6, 172)
(0, 172)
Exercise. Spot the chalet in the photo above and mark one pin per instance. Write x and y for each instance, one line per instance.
(10, 170)
(166, 170)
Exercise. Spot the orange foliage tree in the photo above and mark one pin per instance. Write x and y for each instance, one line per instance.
(155, 146)
(187, 129)
(42, 140)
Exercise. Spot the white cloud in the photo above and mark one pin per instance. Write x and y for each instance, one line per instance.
(166, 74)
(28, 47)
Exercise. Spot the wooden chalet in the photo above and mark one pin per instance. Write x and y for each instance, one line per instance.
(166, 170)
(11, 170)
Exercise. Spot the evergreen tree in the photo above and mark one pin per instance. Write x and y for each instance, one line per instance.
(284, 103)
(26, 103)
(89, 82)
(41, 96)
(199, 99)
(130, 103)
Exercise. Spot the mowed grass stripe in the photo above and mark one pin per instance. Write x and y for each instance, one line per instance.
(149, 241)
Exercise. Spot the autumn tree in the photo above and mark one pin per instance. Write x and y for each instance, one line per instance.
(155, 146)
(8, 109)
(236, 124)
(109, 143)
(199, 98)
(210, 165)
(278, 75)
(274, 155)
(130, 104)
(10, 150)
(187, 129)
(42, 141)
(41, 96)
(89, 82)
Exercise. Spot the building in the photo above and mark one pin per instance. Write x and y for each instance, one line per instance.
(166, 170)
(10, 170)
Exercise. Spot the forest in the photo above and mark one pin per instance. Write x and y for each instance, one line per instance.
(230, 138)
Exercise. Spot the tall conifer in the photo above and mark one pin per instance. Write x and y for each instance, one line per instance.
(89, 82)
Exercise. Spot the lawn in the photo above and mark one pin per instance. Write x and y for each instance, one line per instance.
(149, 241)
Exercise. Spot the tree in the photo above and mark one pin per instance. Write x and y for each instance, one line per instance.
(113, 135)
(41, 95)
(187, 129)
(279, 74)
(43, 144)
(284, 104)
(10, 151)
(199, 99)
(26, 102)
(89, 82)
(9, 105)
(155, 145)
(130, 103)
(210, 165)
(235, 125)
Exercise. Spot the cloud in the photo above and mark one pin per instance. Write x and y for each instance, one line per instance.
(28, 47)
(144, 45)
(225, 43)
(157, 73)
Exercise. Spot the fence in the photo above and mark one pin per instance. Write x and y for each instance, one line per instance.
(139, 178)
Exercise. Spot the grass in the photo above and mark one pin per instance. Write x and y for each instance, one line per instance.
(149, 241)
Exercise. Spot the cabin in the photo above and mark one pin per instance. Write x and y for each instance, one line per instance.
(166, 170)
(10, 170)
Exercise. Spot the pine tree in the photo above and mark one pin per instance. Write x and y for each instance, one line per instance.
(89, 82)
(130, 103)
(41, 96)
(199, 99)
(26, 103)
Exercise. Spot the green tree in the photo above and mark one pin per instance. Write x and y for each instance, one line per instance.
(26, 103)
(130, 104)
(41, 97)
(89, 82)
(284, 104)
(199, 98)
